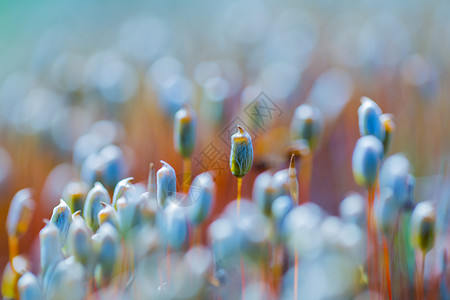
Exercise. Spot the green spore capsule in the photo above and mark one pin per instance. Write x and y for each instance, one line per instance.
(185, 124)
(423, 223)
(74, 195)
(241, 155)
(93, 205)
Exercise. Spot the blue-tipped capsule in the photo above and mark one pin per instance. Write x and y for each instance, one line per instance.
(79, 241)
(29, 287)
(395, 175)
(201, 194)
(106, 244)
(263, 192)
(67, 281)
(74, 194)
(93, 205)
(366, 160)
(369, 119)
(62, 218)
(175, 227)
(20, 213)
(307, 125)
(185, 126)
(387, 211)
(281, 207)
(166, 183)
(50, 246)
(241, 155)
(115, 166)
(352, 209)
(423, 223)
(121, 188)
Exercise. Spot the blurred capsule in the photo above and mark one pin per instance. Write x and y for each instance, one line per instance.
(281, 207)
(79, 241)
(241, 154)
(366, 160)
(106, 244)
(67, 281)
(29, 287)
(166, 183)
(185, 127)
(201, 193)
(128, 212)
(307, 124)
(394, 175)
(9, 282)
(175, 227)
(115, 166)
(151, 186)
(108, 214)
(263, 192)
(387, 211)
(423, 223)
(352, 209)
(387, 121)
(20, 213)
(62, 218)
(50, 246)
(369, 119)
(93, 205)
(255, 232)
(224, 238)
(120, 189)
(74, 194)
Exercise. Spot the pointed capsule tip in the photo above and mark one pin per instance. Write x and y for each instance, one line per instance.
(240, 129)
(292, 161)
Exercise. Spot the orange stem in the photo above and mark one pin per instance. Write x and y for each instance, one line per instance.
(386, 265)
(239, 185)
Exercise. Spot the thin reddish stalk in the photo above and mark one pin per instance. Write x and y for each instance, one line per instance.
(296, 276)
(386, 266)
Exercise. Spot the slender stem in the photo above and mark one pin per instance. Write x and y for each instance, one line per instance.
(13, 248)
(239, 184)
(370, 242)
(132, 267)
(386, 265)
(422, 282)
(186, 174)
(296, 275)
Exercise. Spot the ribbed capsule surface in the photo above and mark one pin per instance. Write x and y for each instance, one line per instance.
(307, 125)
(62, 218)
(369, 119)
(185, 126)
(366, 160)
(93, 205)
(423, 223)
(166, 183)
(20, 213)
(241, 155)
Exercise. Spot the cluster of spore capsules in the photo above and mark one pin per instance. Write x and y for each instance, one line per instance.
(140, 243)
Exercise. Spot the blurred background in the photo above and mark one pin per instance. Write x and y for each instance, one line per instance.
(78, 75)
